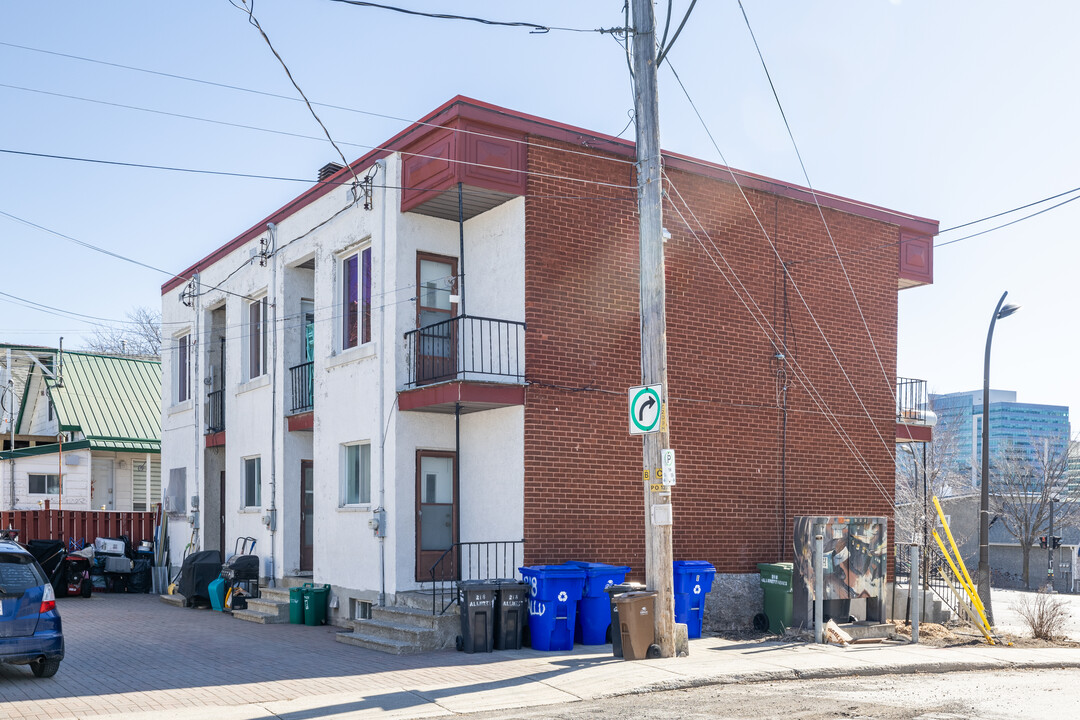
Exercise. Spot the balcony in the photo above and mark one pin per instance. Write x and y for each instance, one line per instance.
(466, 362)
(914, 418)
(215, 412)
(302, 385)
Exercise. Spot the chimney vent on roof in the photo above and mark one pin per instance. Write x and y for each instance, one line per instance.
(327, 170)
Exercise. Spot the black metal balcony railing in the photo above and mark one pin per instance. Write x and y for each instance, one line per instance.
(466, 348)
(912, 402)
(215, 411)
(303, 387)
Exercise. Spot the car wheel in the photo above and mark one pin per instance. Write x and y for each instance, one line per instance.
(45, 667)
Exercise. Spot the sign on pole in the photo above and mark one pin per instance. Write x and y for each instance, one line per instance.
(668, 461)
(645, 405)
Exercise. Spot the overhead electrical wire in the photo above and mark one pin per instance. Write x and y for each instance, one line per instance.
(772, 246)
(889, 382)
(536, 28)
(263, 93)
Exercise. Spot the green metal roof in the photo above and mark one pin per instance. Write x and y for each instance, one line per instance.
(110, 400)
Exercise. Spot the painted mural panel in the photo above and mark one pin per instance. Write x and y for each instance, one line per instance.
(853, 565)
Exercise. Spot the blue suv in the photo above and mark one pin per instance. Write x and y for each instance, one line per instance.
(30, 631)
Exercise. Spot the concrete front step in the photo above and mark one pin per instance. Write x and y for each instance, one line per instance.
(176, 600)
(403, 629)
(371, 642)
(935, 610)
(271, 607)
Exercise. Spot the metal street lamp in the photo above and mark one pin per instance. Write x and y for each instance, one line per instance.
(984, 502)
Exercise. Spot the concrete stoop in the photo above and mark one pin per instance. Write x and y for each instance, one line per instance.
(271, 607)
(404, 628)
(935, 610)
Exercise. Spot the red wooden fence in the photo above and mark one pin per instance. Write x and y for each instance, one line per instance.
(83, 525)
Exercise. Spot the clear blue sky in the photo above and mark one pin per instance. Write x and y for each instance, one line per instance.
(952, 111)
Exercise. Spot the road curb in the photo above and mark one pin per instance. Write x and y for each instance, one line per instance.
(829, 673)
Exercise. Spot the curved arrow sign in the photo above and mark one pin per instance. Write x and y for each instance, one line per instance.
(645, 404)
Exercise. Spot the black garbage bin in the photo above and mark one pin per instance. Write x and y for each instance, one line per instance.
(476, 599)
(616, 634)
(511, 604)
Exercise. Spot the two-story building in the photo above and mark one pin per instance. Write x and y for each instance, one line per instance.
(433, 346)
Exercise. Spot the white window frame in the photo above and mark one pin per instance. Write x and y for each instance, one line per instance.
(54, 476)
(255, 338)
(246, 499)
(344, 326)
(362, 455)
(181, 356)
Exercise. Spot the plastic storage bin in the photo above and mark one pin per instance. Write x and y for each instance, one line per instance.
(315, 600)
(296, 604)
(594, 608)
(693, 581)
(511, 604)
(476, 599)
(553, 594)
(776, 587)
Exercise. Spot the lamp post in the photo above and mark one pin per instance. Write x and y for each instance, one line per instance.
(984, 501)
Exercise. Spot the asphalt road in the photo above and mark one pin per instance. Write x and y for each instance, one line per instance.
(1052, 694)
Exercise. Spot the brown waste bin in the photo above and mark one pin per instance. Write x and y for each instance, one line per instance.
(636, 623)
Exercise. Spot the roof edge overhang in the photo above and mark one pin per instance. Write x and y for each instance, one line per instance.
(461, 107)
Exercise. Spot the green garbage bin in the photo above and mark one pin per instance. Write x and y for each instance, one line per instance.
(315, 600)
(296, 604)
(776, 586)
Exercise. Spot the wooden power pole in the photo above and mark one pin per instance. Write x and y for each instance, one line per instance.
(658, 511)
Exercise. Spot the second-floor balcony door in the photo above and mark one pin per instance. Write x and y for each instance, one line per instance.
(436, 279)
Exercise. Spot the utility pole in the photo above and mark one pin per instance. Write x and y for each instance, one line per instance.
(1050, 549)
(658, 515)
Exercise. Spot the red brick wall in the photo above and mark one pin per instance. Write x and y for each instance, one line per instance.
(584, 496)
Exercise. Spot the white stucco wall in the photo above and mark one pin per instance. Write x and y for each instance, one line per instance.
(355, 390)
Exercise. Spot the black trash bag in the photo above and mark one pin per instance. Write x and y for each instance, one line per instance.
(139, 579)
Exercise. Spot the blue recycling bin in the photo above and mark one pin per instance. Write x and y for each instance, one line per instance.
(693, 581)
(594, 608)
(553, 594)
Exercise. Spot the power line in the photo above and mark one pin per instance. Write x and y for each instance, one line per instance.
(1008, 212)
(1013, 222)
(263, 93)
(821, 213)
(536, 28)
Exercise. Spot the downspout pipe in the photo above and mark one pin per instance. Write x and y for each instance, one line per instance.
(273, 295)
(384, 356)
(461, 250)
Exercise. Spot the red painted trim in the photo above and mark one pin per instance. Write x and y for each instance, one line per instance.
(464, 108)
(917, 259)
(215, 439)
(463, 392)
(914, 433)
(302, 421)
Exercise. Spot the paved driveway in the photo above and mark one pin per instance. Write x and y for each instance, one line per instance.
(130, 653)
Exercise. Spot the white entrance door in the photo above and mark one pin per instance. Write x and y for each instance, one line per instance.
(102, 484)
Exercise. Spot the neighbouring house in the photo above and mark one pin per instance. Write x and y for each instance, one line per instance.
(426, 356)
(86, 427)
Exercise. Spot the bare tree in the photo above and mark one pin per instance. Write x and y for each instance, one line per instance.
(924, 471)
(1024, 484)
(140, 336)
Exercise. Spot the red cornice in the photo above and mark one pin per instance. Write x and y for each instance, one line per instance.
(468, 108)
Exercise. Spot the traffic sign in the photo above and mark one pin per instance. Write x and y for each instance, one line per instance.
(645, 405)
(668, 459)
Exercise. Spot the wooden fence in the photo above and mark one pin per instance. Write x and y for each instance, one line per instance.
(78, 525)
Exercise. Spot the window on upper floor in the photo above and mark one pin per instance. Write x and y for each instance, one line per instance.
(356, 299)
(252, 481)
(255, 330)
(182, 368)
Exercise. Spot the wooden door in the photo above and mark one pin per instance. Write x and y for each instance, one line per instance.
(307, 515)
(436, 514)
(436, 284)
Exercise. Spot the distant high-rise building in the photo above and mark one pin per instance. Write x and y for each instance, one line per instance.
(1024, 427)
